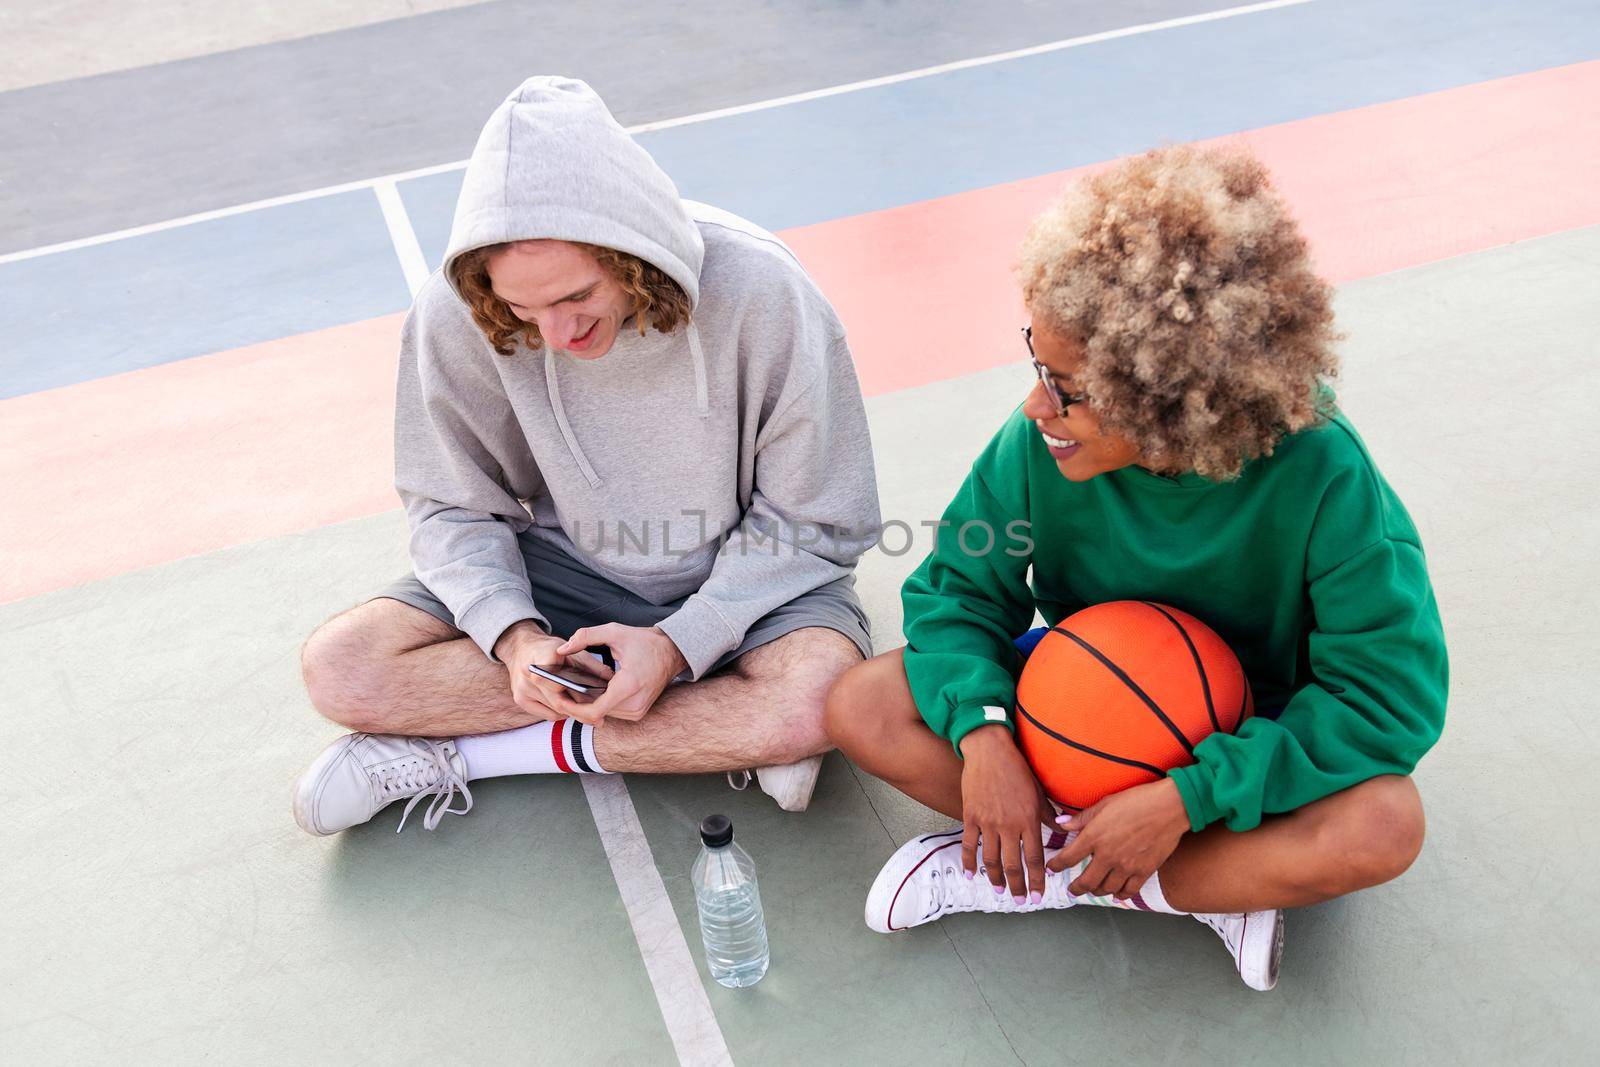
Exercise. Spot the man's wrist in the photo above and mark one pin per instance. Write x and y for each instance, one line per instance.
(514, 635)
(680, 663)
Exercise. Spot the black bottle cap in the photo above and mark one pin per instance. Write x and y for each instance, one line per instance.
(716, 831)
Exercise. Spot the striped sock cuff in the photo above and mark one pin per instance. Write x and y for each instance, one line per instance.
(1151, 898)
(580, 748)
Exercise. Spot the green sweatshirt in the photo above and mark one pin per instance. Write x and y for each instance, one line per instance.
(1307, 565)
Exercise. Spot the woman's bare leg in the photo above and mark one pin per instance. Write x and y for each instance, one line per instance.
(1360, 837)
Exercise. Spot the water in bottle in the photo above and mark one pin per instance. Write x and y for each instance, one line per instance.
(725, 889)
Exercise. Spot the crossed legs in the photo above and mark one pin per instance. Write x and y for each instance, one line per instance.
(386, 667)
(1360, 837)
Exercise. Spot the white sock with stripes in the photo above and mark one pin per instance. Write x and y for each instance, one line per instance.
(562, 746)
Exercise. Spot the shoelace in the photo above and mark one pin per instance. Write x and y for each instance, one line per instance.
(1219, 921)
(428, 775)
(949, 889)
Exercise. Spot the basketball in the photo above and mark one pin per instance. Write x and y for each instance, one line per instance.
(1120, 693)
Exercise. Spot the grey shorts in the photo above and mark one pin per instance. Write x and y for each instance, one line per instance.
(572, 596)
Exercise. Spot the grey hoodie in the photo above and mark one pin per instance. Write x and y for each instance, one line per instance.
(729, 460)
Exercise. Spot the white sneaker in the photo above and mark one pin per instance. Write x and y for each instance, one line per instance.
(924, 881)
(1255, 940)
(360, 774)
(790, 784)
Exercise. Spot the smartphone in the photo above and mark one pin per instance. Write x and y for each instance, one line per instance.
(589, 686)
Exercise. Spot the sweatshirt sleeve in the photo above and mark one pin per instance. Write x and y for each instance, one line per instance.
(1377, 703)
(963, 610)
(813, 512)
(464, 521)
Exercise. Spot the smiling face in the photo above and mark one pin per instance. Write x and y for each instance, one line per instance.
(561, 288)
(1075, 442)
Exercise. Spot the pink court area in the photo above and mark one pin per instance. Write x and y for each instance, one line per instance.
(154, 465)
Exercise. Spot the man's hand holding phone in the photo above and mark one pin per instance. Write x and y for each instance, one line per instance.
(526, 644)
(647, 660)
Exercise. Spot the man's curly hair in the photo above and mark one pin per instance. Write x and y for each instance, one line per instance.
(658, 301)
(1207, 335)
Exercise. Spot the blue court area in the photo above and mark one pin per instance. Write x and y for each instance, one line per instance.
(203, 263)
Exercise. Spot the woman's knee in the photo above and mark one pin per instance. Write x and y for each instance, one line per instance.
(865, 704)
(1396, 827)
(1377, 835)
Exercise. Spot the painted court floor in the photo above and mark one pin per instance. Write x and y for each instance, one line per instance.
(210, 227)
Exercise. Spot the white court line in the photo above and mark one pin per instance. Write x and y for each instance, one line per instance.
(966, 64)
(690, 1021)
(227, 212)
(686, 120)
(403, 235)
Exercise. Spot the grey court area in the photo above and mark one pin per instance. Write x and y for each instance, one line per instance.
(47, 42)
(161, 906)
(131, 147)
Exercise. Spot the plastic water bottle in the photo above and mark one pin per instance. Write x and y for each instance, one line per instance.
(725, 889)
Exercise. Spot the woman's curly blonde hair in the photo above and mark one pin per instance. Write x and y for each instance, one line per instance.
(658, 301)
(1206, 333)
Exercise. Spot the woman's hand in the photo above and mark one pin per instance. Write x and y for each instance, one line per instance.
(646, 660)
(1128, 835)
(1002, 806)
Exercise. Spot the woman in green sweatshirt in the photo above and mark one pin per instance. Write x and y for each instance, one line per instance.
(1181, 446)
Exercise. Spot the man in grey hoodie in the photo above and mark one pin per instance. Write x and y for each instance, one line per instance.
(623, 420)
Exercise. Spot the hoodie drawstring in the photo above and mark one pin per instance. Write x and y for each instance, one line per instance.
(701, 402)
(561, 418)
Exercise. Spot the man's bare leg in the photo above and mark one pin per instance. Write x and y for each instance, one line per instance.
(386, 667)
(1360, 837)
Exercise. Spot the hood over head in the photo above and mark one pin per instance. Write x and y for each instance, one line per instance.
(551, 163)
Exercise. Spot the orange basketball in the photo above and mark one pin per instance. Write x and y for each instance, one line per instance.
(1119, 694)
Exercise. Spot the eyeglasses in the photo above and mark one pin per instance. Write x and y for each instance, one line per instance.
(1059, 398)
